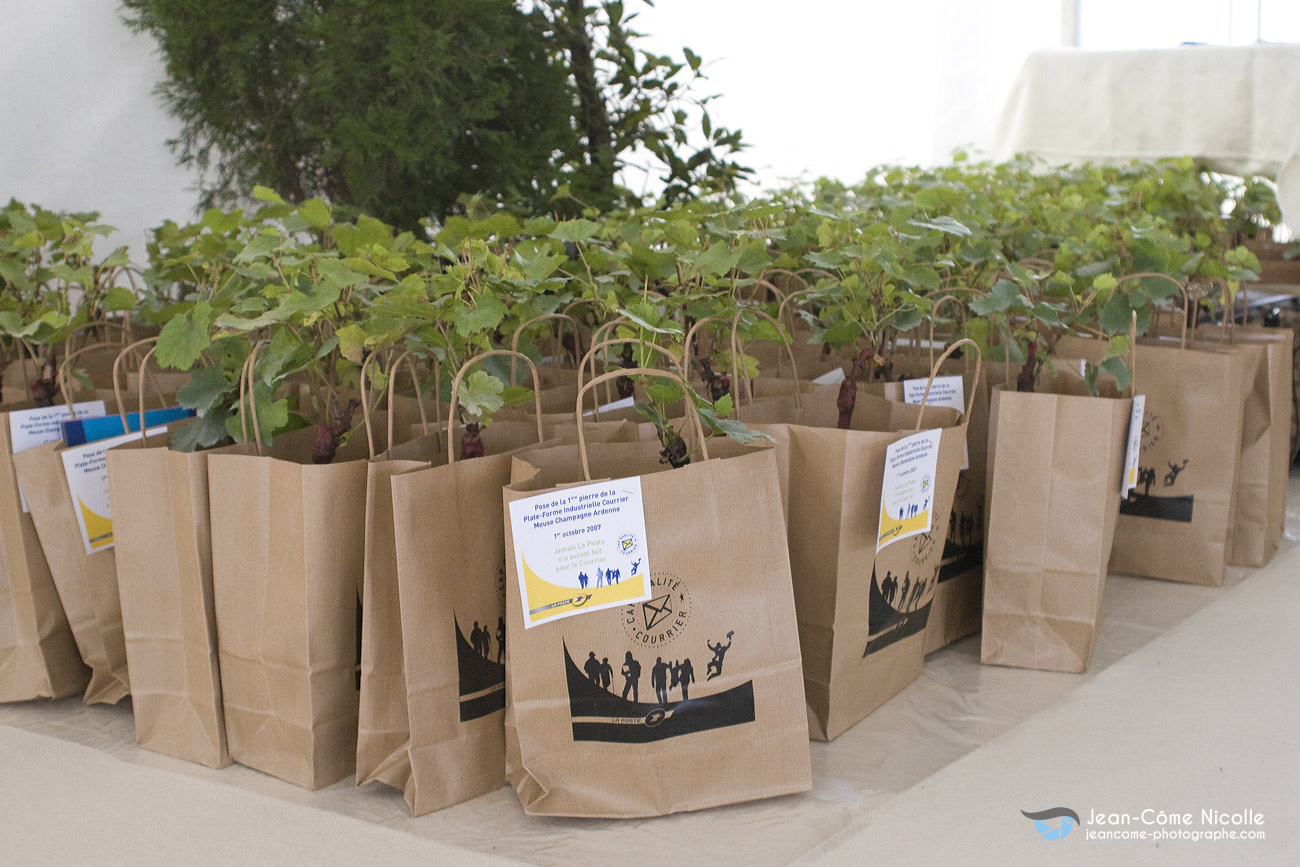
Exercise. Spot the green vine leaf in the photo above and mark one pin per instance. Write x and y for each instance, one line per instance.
(183, 339)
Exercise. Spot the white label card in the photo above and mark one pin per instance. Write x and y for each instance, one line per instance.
(907, 495)
(949, 391)
(580, 549)
(29, 428)
(86, 468)
(1134, 451)
(621, 403)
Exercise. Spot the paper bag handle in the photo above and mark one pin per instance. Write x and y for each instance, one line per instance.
(637, 371)
(1226, 330)
(735, 366)
(599, 335)
(22, 363)
(123, 331)
(578, 303)
(934, 371)
(776, 292)
(65, 383)
(1132, 354)
(788, 273)
(391, 391)
(117, 389)
(690, 340)
(938, 305)
(455, 395)
(363, 381)
(1141, 275)
(590, 357)
(246, 389)
(781, 311)
(409, 357)
(545, 317)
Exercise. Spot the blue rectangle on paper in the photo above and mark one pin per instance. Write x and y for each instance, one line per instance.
(88, 430)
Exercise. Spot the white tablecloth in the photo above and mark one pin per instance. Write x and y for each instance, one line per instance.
(1236, 109)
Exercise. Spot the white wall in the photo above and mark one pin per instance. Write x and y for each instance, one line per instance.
(82, 129)
(984, 45)
(820, 87)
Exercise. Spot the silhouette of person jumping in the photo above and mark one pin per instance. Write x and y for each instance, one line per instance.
(684, 675)
(631, 672)
(1174, 470)
(606, 673)
(592, 667)
(636, 564)
(501, 639)
(659, 679)
(714, 668)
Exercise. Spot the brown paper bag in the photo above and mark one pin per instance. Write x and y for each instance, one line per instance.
(38, 655)
(434, 736)
(958, 606)
(1281, 373)
(450, 580)
(384, 739)
(576, 748)
(1053, 492)
(87, 583)
(1248, 535)
(863, 616)
(163, 546)
(288, 540)
(163, 552)
(1279, 345)
(1174, 525)
(384, 735)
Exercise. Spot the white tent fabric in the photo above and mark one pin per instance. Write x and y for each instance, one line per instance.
(1237, 108)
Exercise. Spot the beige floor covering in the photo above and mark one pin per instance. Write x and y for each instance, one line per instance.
(1191, 703)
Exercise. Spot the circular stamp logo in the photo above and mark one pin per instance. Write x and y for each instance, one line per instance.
(925, 484)
(627, 544)
(923, 547)
(660, 619)
(1152, 429)
(655, 717)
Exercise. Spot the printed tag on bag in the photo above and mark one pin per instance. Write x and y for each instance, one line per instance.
(29, 428)
(949, 391)
(907, 495)
(86, 468)
(1134, 451)
(580, 549)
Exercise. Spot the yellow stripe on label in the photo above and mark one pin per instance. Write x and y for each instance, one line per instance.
(892, 528)
(99, 530)
(542, 594)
